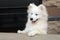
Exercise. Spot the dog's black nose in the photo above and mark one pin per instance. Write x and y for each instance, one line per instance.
(31, 18)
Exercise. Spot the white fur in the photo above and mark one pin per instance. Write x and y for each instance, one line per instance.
(40, 26)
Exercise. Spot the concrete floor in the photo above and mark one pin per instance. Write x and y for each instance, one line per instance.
(16, 36)
(8, 36)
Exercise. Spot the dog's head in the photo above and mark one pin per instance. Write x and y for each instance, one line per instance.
(36, 12)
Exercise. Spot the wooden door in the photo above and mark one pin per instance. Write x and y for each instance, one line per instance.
(53, 11)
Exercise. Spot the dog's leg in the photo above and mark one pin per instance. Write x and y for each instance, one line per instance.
(43, 32)
(32, 33)
(19, 31)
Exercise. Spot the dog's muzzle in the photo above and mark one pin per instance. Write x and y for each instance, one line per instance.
(33, 21)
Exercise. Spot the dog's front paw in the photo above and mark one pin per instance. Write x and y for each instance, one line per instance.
(31, 34)
(21, 31)
(18, 31)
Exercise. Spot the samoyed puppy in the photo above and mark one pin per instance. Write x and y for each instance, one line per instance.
(37, 20)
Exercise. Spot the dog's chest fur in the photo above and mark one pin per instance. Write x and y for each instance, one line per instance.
(36, 26)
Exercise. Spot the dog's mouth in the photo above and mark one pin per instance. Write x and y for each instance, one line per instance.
(35, 21)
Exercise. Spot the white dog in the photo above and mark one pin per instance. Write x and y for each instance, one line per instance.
(37, 20)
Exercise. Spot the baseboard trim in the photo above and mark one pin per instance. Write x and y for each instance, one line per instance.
(54, 18)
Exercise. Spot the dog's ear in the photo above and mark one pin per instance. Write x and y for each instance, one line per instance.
(42, 7)
(31, 5)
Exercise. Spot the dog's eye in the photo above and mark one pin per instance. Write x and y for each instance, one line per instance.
(36, 14)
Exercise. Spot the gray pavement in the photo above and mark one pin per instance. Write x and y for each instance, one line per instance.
(15, 36)
(8, 36)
